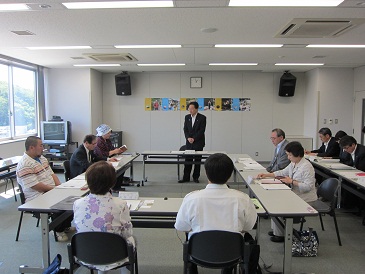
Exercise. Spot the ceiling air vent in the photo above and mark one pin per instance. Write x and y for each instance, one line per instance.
(317, 28)
(112, 57)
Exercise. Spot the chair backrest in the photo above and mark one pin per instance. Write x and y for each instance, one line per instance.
(99, 248)
(216, 249)
(21, 194)
(66, 170)
(328, 190)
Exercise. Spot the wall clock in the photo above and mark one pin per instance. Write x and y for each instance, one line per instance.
(196, 82)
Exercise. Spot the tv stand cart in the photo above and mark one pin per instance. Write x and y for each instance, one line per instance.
(57, 153)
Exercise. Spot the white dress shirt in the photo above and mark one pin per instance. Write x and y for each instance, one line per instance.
(216, 207)
(303, 173)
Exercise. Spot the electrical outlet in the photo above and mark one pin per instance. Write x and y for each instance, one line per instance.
(336, 121)
(324, 121)
(256, 153)
(330, 121)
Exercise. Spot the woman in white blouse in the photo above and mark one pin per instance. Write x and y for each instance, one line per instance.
(299, 175)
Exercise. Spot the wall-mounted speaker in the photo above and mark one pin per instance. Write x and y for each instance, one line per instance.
(123, 84)
(287, 85)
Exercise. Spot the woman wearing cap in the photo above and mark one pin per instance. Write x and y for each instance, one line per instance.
(104, 147)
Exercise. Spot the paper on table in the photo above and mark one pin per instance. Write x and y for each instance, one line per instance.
(329, 160)
(275, 186)
(270, 181)
(188, 151)
(128, 195)
(177, 152)
(339, 166)
(253, 166)
(73, 184)
(134, 204)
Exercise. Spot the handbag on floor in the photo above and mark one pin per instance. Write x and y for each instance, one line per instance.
(305, 243)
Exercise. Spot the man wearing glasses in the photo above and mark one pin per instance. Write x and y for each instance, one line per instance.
(354, 153)
(84, 156)
(280, 160)
(329, 147)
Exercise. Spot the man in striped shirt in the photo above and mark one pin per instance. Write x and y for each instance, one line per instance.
(36, 177)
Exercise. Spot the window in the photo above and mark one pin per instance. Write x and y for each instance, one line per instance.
(18, 101)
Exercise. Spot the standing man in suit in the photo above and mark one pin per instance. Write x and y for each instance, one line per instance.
(354, 153)
(329, 148)
(280, 160)
(194, 131)
(84, 156)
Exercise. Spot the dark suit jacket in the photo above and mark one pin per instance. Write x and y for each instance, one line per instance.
(197, 132)
(333, 149)
(79, 162)
(359, 158)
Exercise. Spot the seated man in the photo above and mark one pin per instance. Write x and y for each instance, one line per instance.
(280, 160)
(329, 148)
(354, 154)
(84, 156)
(36, 177)
(216, 207)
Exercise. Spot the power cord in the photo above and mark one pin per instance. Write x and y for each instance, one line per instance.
(267, 267)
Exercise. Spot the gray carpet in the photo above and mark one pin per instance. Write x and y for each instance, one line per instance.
(160, 250)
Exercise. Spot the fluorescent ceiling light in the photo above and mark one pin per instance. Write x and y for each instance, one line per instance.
(157, 65)
(299, 64)
(118, 4)
(248, 45)
(284, 3)
(98, 65)
(13, 7)
(336, 46)
(146, 46)
(233, 64)
(59, 47)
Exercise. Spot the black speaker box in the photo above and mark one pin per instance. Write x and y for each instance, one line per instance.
(123, 84)
(287, 85)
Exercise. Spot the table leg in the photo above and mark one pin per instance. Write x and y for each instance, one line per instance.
(144, 179)
(258, 230)
(45, 248)
(178, 168)
(339, 193)
(288, 245)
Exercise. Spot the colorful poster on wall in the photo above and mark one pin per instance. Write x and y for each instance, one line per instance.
(226, 104)
(147, 104)
(205, 104)
(218, 104)
(235, 104)
(182, 104)
(187, 102)
(245, 104)
(156, 104)
(201, 103)
(170, 104)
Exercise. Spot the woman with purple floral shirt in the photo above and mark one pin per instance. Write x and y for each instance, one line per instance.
(100, 211)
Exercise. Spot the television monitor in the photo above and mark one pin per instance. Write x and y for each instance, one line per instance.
(56, 132)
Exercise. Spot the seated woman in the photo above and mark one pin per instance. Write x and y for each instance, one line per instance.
(100, 211)
(299, 175)
(105, 148)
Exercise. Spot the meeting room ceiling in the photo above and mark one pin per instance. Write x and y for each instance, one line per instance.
(196, 25)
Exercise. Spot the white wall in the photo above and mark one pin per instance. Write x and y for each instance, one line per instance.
(96, 100)
(359, 87)
(69, 96)
(233, 132)
(331, 89)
